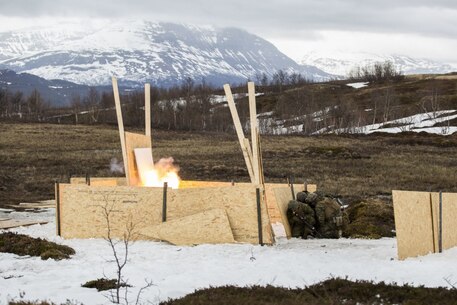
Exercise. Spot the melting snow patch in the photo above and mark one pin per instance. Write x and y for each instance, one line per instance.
(357, 85)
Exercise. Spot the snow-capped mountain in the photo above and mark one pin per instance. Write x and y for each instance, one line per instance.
(341, 63)
(139, 51)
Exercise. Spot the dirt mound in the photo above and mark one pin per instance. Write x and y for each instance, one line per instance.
(370, 218)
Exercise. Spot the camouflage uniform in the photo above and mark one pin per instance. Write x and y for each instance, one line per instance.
(301, 219)
(330, 219)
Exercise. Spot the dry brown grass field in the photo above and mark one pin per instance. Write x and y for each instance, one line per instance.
(33, 156)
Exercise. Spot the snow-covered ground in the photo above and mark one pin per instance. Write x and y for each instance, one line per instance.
(422, 122)
(177, 271)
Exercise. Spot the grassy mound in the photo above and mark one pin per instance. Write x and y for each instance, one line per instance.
(25, 245)
(371, 218)
(333, 291)
(103, 284)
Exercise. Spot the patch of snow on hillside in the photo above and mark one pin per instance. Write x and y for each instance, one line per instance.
(422, 122)
(358, 85)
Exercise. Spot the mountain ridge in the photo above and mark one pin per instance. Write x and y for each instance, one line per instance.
(163, 54)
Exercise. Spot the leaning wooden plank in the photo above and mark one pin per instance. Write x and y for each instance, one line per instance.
(120, 123)
(239, 130)
(132, 141)
(207, 227)
(14, 223)
(147, 109)
(254, 139)
(413, 223)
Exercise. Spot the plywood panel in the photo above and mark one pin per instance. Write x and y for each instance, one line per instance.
(413, 223)
(132, 141)
(207, 227)
(14, 223)
(449, 220)
(82, 208)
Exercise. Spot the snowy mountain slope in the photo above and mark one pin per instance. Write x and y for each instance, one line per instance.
(138, 51)
(341, 63)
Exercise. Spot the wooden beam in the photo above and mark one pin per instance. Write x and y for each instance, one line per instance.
(254, 139)
(239, 130)
(147, 109)
(120, 124)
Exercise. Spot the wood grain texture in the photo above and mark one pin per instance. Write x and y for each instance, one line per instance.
(82, 208)
(413, 223)
(449, 220)
(207, 227)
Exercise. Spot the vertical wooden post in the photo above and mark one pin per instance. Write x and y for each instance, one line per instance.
(147, 109)
(57, 190)
(259, 216)
(239, 130)
(164, 205)
(292, 181)
(254, 139)
(120, 124)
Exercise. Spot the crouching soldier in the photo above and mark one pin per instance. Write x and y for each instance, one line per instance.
(330, 220)
(301, 219)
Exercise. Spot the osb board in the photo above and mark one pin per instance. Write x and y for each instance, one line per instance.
(14, 223)
(100, 181)
(82, 207)
(413, 223)
(239, 202)
(449, 232)
(207, 227)
(132, 141)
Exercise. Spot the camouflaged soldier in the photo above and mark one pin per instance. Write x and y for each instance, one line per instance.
(309, 198)
(330, 220)
(301, 219)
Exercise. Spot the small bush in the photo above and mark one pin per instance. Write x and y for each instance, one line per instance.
(103, 284)
(331, 292)
(25, 245)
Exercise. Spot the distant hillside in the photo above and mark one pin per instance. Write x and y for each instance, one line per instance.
(341, 63)
(57, 92)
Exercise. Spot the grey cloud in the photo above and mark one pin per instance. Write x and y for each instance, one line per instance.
(270, 18)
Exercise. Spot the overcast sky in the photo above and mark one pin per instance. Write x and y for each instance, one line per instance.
(420, 28)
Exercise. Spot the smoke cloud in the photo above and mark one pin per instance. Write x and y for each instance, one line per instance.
(116, 166)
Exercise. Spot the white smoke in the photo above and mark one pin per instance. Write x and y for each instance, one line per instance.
(165, 165)
(116, 166)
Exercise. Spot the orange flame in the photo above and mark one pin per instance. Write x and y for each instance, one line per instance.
(164, 171)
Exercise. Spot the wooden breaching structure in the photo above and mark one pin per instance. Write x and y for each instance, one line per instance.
(197, 212)
(424, 222)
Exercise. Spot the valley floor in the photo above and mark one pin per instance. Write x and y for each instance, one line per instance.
(177, 271)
